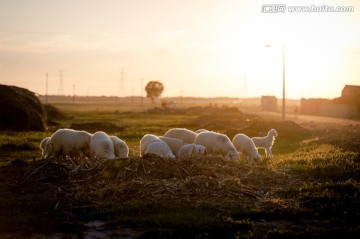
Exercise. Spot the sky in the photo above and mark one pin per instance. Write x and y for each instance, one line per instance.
(199, 48)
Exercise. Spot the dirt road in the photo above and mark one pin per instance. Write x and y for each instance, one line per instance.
(304, 119)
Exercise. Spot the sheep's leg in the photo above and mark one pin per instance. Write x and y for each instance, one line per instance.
(245, 158)
(268, 153)
(193, 153)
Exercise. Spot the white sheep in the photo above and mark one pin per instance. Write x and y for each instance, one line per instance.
(247, 147)
(43, 147)
(160, 148)
(145, 141)
(121, 150)
(186, 135)
(101, 146)
(174, 144)
(192, 151)
(201, 130)
(217, 143)
(266, 142)
(68, 142)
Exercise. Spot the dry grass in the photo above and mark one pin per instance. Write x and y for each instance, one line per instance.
(210, 179)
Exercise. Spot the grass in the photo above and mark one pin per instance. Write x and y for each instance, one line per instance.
(310, 188)
(320, 162)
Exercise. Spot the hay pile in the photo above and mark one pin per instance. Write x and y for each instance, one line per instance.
(20, 110)
(107, 182)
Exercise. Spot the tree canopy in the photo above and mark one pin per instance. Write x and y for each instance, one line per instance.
(154, 89)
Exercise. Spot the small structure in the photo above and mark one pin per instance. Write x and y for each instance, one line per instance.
(349, 90)
(346, 106)
(268, 103)
(312, 106)
(340, 110)
(168, 104)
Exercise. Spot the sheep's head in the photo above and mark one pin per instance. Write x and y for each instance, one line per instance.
(272, 133)
(161, 149)
(257, 157)
(232, 154)
(200, 149)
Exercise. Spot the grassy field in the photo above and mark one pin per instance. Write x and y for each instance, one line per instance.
(310, 188)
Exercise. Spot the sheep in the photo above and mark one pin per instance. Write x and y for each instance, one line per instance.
(191, 151)
(160, 148)
(145, 141)
(201, 130)
(266, 142)
(43, 147)
(174, 144)
(68, 142)
(186, 135)
(101, 146)
(217, 143)
(121, 150)
(247, 147)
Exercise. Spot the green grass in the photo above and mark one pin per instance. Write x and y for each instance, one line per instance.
(320, 197)
(20, 145)
(320, 161)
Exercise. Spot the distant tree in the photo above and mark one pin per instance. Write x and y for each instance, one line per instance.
(154, 89)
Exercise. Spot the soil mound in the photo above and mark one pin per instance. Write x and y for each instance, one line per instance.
(220, 119)
(232, 121)
(285, 129)
(20, 110)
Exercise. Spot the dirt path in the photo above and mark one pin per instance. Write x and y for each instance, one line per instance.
(305, 119)
(343, 133)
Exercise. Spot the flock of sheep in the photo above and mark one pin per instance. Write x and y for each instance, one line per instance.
(176, 143)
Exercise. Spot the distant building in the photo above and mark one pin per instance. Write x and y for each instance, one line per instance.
(349, 90)
(268, 103)
(346, 106)
(312, 106)
(168, 104)
(340, 110)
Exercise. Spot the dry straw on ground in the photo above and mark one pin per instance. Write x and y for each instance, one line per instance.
(209, 179)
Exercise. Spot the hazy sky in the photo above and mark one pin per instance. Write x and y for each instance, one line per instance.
(194, 47)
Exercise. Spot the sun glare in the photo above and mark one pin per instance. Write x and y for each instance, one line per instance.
(314, 45)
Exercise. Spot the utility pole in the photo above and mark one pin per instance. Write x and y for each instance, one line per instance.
(142, 90)
(122, 87)
(61, 84)
(46, 89)
(283, 86)
(283, 82)
(132, 95)
(245, 85)
(181, 96)
(73, 93)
